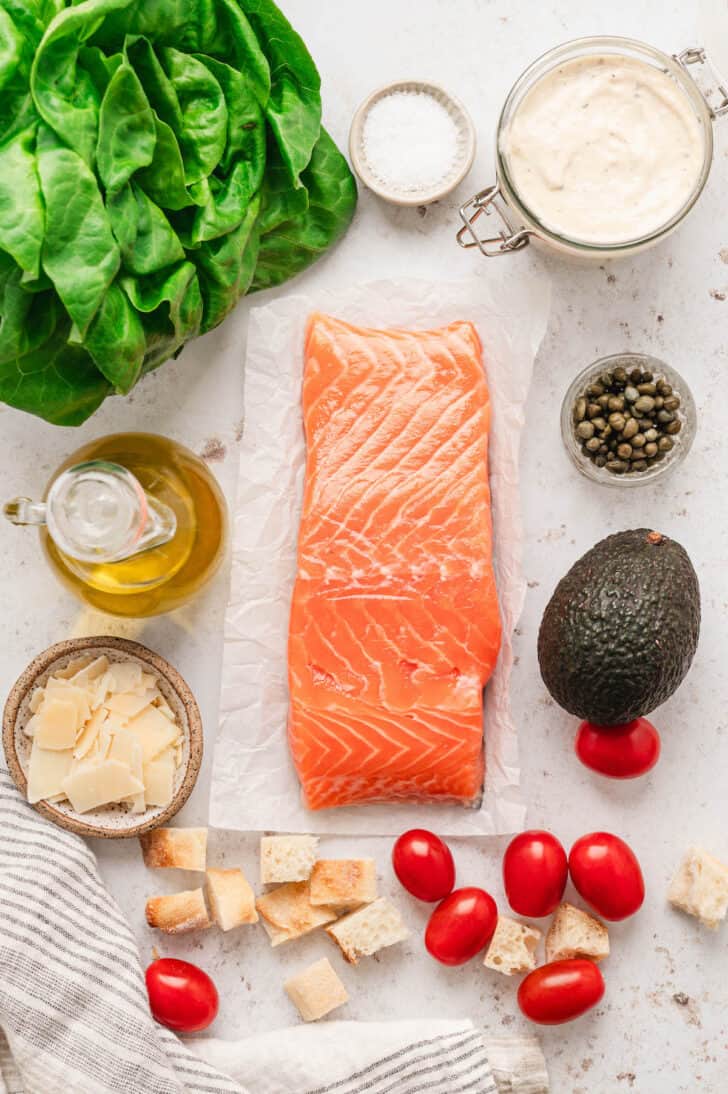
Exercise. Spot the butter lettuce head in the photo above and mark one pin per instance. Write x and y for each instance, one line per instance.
(158, 160)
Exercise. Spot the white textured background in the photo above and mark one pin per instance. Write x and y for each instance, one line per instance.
(662, 1025)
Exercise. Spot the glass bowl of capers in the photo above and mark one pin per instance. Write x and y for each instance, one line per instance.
(628, 419)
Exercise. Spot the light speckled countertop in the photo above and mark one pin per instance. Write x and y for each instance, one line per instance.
(662, 1025)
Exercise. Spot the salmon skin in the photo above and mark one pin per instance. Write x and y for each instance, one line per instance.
(395, 627)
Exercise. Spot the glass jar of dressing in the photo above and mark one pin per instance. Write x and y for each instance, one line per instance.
(603, 147)
(133, 523)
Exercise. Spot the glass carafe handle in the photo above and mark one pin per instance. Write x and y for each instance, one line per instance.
(98, 512)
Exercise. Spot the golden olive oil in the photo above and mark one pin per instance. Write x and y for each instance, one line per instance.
(160, 578)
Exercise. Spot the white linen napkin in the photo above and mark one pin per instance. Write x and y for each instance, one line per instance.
(74, 1015)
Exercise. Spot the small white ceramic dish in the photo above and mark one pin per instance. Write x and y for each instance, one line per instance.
(465, 146)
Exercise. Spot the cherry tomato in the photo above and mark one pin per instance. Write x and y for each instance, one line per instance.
(560, 991)
(621, 752)
(607, 874)
(181, 996)
(424, 865)
(461, 926)
(534, 873)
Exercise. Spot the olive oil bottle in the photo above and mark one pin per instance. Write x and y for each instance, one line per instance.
(135, 524)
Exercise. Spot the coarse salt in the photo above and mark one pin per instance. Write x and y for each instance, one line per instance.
(410, 140)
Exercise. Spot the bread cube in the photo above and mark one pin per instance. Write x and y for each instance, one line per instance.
(575, 933)
(287, 912)
(344, 883)
(178, 913)
(700, 887)
(232, 900)
(368, 930)
(175, 848)
(286, 858)
(316, 991)
(512, 948)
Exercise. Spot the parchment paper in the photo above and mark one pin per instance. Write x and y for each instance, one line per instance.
(254, 784)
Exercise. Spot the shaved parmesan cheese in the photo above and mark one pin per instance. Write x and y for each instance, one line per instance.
(102, 733)
(154, 731)
(159, 780)
(89, 733)
(92, 785)
(46, 772)
(126, 676)
(74, 666)
(56, 724)
(127, 705)
(35, 700)
(92, 671)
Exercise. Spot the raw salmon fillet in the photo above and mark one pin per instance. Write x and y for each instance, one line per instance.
(394, 625)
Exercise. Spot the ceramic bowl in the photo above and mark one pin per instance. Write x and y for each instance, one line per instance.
(111, 821)
(465, 147)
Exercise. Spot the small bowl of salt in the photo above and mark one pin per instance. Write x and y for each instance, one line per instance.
(411, 142)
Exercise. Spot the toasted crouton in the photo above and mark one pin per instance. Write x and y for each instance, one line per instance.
(287, 912)
(316, 991)
(232, 900)
(178, 913)
(344, 883)
(700, 887)
(286, 858)
(368, 930)
(512, 948)
(175, 848)
(575, 933)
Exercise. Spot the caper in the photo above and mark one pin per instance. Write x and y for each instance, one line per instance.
(644, 423)
(603, 449)
(630, 428)
(617, 421)
(631, 394)
(606, 380)
(616, 402)
(593, 410)
(579, 410)
(673, 427)
(651, 434)
(665, 444)
(644, 404)
(650, 449)
(647, 389)
(639, 465)
(672, 402)
(636, 375)
(647, 377)
(585, 430)
(620, 375)
(665, 416)
(599, 423)
(603, 401)
(624, 451)
(595, 390)
(638, 441)
(659, 402)
(600, 461)
(617, 466)
(593, 444)
(664, 388)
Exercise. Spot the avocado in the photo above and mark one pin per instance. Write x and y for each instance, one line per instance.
(621, 630)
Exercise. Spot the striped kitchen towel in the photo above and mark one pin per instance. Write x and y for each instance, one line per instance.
(74, 1017)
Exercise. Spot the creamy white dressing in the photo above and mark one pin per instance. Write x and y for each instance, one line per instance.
(604, 149)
